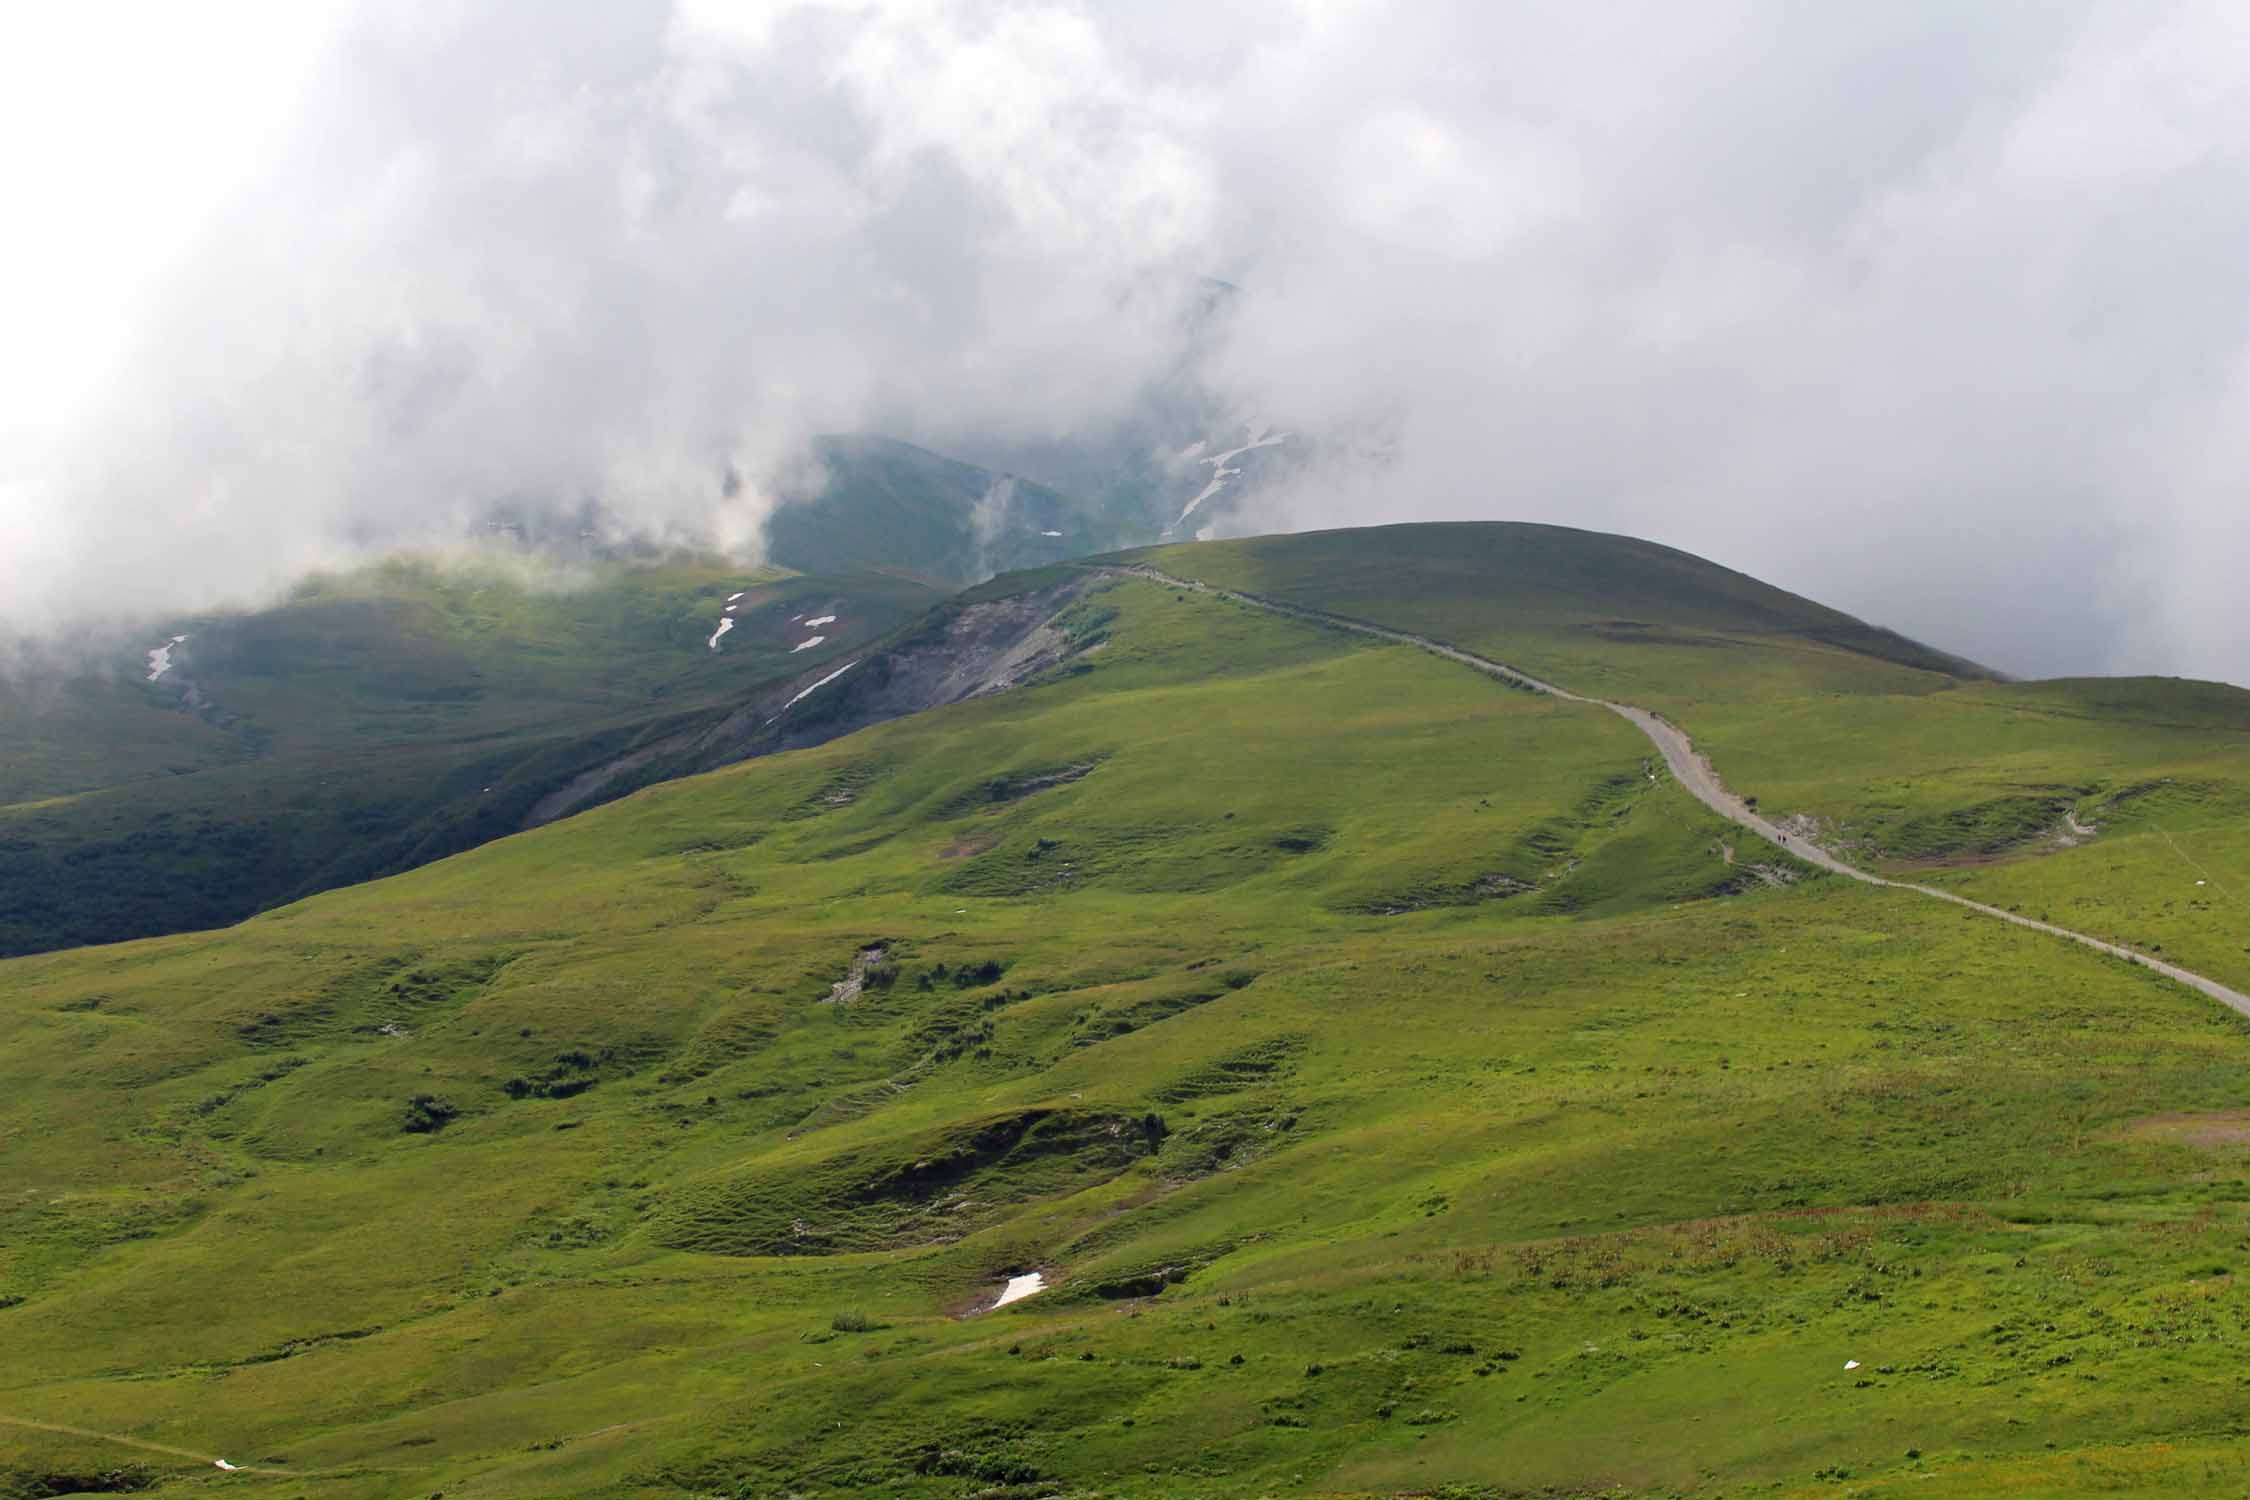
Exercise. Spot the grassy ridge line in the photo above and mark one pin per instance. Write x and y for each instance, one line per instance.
(1611, 615)
(1702, 781)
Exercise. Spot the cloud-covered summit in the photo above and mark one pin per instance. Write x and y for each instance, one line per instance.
(1927, 310)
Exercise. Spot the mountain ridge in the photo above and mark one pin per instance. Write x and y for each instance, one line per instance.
(1395, 1081)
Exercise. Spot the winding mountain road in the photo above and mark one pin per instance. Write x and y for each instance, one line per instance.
(1695, 773)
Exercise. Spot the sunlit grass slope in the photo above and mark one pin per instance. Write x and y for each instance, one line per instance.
(1607, 615)
(373, 720)
(2118, 806)
(1396, 1085)
(1901, 765)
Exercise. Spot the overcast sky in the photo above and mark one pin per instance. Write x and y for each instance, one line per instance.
(1936, 312)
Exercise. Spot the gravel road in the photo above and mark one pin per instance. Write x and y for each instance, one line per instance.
(1696, 774)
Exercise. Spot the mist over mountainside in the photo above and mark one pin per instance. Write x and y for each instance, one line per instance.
(1185, 458)
(210, 766)
(892, 506)
(385, 718)
(375, 721)
(1569, 265)
(1030, 750)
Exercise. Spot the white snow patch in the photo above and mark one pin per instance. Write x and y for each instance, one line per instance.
(1259, 437)
(732, 608)
(1218, 483)
(816, 687)
(1020, 1287)
(160, 659)
(220, 1463)
(724, 627)
(1851, 1364)
(736, 598)
(807, 645)
(1050, 533)
(819, 620)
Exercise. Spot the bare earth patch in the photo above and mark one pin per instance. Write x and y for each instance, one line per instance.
(2208, 1130)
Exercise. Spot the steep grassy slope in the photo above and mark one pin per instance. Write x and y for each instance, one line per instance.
(371, 722)
(1393, 1081)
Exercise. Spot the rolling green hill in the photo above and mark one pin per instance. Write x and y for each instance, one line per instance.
(1400, 1084)
(2117, 806)
(1611, 616)
(371, 722)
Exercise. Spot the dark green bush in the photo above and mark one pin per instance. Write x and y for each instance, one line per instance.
(426, 1114)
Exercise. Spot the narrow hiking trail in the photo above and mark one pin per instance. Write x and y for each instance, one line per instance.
(210, 1459)
(1697, 775)
(2189, 860)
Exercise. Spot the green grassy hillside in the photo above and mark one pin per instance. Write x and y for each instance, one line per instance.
(383, 718)
(1402, 1087)
(1606, 615)
(2118, 806)
(887, 506)
(370, 722)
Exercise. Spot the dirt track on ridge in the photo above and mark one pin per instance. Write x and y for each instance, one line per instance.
(1699, 777)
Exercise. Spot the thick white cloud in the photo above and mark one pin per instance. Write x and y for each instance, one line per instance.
(1928, 310)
